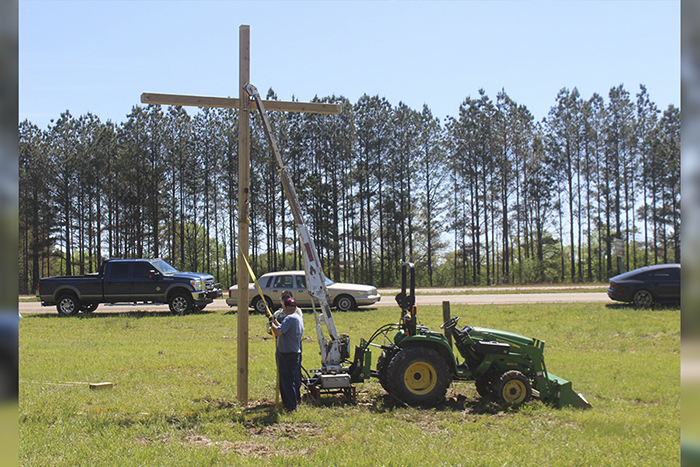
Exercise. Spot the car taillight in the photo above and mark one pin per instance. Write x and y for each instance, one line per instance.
(229, 293)
(613, 285)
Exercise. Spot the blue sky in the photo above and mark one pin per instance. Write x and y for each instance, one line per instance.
(99, 56)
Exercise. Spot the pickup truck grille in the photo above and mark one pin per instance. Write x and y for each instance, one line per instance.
(210, 285)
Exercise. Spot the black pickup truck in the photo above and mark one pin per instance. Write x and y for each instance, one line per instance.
(130, 281)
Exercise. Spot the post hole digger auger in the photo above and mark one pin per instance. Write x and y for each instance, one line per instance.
(419, 365)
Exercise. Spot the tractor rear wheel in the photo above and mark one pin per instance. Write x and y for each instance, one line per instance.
(513, 388)
(418, 376)
(383, 366)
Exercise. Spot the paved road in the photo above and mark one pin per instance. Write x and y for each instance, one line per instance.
(502, 299)
(387, 300)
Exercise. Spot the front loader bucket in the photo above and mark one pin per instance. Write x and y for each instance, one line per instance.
(562, 393)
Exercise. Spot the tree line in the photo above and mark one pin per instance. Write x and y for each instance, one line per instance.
(489, 196)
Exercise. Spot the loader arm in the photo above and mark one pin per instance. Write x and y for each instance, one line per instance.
(335, 348)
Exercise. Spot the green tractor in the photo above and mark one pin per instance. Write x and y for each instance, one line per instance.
(418, 365)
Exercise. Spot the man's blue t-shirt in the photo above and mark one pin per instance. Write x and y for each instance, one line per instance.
(292, 327)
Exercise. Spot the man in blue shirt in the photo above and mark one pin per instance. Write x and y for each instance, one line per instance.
(289, 333)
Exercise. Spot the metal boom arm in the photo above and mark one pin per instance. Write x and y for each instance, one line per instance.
(333, 351)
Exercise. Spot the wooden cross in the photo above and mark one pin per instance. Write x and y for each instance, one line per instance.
(243, 103)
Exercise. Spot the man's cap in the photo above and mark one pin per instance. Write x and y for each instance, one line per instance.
(290, 302)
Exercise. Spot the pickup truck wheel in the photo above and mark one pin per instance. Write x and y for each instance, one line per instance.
(180, 304)
(68, 305)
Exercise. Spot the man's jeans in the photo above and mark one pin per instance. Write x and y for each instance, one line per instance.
(289, 365)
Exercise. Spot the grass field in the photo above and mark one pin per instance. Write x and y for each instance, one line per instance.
(174, 399)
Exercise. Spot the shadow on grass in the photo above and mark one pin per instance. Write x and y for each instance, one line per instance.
(386, 403)
(262, 412)
(452, 403)
(671, 306)
(112, 314)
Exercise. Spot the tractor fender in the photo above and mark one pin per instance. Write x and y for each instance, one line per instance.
(438, 344)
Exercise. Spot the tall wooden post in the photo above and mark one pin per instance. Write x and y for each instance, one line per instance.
(243, 211)
(243, 105)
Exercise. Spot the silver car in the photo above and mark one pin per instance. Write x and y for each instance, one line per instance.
(343, 296)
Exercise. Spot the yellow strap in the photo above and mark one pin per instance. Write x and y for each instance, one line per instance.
(255, 281)
(269, 315)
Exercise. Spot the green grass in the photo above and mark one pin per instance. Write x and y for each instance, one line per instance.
(174, 402)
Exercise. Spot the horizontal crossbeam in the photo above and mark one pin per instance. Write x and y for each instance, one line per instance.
(235, 103)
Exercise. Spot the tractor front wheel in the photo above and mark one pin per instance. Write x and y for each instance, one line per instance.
(513, 388)
(418, 376)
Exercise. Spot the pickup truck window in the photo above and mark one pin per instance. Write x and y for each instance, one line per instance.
(120, 270)
(164, 267)
(142, 270)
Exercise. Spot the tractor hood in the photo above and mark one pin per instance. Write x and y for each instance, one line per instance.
(487, 334)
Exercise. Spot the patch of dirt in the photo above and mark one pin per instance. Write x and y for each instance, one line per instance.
(284, 430)
(143, 440)
(252, 448)
(263, 403)
(454, 400)
(195, 440)
(243, 448)
(220, 403)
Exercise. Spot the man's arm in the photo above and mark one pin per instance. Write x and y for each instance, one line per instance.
(275, 326)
